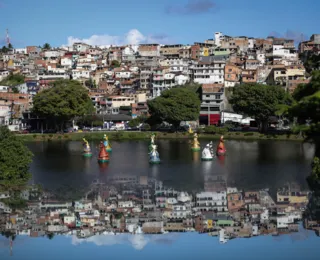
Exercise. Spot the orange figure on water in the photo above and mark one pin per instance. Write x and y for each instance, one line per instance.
(221, 150)
(103, 154)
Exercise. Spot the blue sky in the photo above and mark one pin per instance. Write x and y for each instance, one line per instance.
(34, 22)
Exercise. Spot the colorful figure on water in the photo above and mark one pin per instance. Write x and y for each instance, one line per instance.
(103, 154)
(152, 141)
(221, 150)
(86, 148)
(154, 155)
(207, 153)
(195, 143)
(106, 143)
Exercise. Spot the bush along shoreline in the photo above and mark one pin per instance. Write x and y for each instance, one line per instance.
(127, 136)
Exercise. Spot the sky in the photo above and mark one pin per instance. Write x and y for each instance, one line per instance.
(186, 246)
(105, 22)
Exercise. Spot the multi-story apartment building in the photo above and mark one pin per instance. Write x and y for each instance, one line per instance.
(209, 70)
(162, 81)
(149, 50)
(212, 103)
(212, 201)
(170, 51)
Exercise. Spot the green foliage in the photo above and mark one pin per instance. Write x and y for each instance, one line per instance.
(259, 101)
(12, 80)
(64, 101)
(46, 46)
(304, 90)
(115, 64)
(146, 127)
(311, 61)
(315, 173)
(175, 105)
(134, 122)
(194, 87)
(15, 159)
(15, 202)
(215, 130)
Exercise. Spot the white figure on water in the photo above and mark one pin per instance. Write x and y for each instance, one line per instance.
(207, 153)
(154, 155)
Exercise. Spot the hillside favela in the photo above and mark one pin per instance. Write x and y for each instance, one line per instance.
(145, 149)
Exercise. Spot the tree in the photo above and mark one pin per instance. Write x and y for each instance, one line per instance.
(12, 80)
(259, 101)
(175, 105)
(10, 47)
(50, 236)
(115, 64)
(304, 90)
(46, 46)
(64, 101)
(15, 159)
(134, 122)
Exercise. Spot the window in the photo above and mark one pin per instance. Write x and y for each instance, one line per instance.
(207, 95)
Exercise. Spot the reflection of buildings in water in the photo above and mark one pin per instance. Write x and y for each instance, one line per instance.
(217, 183)
(154, 170)
(308, 150)
(129, 179)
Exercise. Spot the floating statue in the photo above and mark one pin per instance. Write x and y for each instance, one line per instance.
(152, 138)
(221, 150)
(106, 143)
(207, 153)
(86, 148)
(154, 155)
(103, 154)
(195, 143)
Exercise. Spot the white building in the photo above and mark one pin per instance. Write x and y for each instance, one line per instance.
(218, 37)
(20, 51)
(162, 82)
(209, 73)
(125, 204)
(124, 74)
(264, 216)
(52, 54)
(66, 62)
(80, 73)
(281, 52)
(210, 201)
(4, 74)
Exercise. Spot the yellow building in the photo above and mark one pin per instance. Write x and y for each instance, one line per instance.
(293, 197)
(205, 51)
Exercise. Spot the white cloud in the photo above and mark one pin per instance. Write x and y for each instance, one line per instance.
(138, 241)
(133, 37)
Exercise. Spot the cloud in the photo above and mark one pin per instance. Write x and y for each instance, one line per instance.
(138, 241)
(289, 34)
(191, 7)
(133, 37)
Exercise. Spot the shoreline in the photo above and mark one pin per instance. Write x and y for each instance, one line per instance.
(126, 135)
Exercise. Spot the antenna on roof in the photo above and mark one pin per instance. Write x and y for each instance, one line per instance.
(7, 38)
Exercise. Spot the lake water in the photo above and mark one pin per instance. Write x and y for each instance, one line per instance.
(248, 165)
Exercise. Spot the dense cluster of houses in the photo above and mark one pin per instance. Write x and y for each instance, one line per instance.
(125, 77)
(140, 205)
